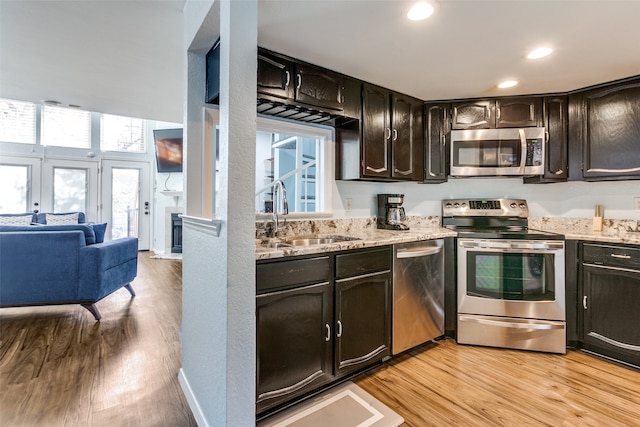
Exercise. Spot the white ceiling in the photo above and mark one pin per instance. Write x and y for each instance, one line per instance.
(125, 57)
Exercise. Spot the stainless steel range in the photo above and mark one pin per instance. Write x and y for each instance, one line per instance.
(510, 279)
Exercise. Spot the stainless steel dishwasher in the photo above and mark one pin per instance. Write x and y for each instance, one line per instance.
(418, 293)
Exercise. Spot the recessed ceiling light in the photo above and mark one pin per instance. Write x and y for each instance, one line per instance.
(539, 53)
(507, 84)
(420, 11)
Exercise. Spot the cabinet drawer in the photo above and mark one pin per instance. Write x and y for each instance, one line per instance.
(285, 274)
(362, 262)
(614, 256)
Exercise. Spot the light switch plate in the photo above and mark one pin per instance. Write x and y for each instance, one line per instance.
(347, 205)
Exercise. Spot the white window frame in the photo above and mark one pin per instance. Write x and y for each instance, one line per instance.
(324, 166)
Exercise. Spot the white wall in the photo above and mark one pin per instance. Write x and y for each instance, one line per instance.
(566, 199)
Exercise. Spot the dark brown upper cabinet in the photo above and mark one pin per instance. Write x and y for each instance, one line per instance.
(604, 132)
(497, 113)
(297, 82)
(518, 112)
(391, 135)
(555, 121)
(319, 87)
(474, 114)
(436, 128)
(275, 76)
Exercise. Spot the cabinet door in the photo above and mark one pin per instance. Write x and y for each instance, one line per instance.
(376, 132)
(319, 87)
(294, 343)
(436, 126)
(275, 76)
(406, 138)
(610, 131)
(363, 307)
(479, 114)
(518, 112)
(611, 314)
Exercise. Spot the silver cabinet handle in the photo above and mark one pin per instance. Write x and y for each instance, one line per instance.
(339, 329)
(584, 302)
(395, 134)
(299, 81)
(621, 256)
(328, 337)
(288, 79)
(387, 133)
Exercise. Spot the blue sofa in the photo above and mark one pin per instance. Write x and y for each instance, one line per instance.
(63, 264)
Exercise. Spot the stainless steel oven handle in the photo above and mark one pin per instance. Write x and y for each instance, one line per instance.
(404, 253)
(512, 245)
(544, 246)
(540, 326)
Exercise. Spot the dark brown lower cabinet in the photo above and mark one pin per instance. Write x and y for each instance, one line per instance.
(363, 321)
(294, 342)
(335, 322)
(610, 301)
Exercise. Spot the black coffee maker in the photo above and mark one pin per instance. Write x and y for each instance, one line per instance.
(390, 212)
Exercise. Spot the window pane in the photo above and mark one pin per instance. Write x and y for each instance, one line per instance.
(17, 121)
(293, 159)
(66, 127)
(120, 133)
(14, 191)
(69, 190)
(125, 203)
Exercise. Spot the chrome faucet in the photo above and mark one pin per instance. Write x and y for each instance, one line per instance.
(276, 204)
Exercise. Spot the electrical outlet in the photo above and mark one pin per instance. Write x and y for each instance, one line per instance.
(347, 205)
(636, 203)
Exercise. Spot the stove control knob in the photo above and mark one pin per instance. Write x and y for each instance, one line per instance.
(464, 205)
(456, 205)
(513, 206)
(522, 206)
(448, 205)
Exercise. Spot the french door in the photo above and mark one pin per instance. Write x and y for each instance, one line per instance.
(118, 193)
(126, 198)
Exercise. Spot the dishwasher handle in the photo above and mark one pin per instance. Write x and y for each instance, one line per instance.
(416, 253)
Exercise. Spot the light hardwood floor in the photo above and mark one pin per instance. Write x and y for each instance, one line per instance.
(58, 367)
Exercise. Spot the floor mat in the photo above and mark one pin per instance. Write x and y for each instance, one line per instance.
(345, 405)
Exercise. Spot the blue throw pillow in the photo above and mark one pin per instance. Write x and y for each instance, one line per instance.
(99, 229)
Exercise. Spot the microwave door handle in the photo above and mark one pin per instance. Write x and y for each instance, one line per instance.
(523, 151)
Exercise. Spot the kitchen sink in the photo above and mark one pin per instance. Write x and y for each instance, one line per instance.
(309, 241)
(275, 245)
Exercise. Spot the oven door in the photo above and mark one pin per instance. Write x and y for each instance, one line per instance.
(511, 278)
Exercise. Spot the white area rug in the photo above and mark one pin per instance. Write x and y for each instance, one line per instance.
(345, 405)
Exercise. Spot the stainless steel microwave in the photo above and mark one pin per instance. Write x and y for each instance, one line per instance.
(497, 152)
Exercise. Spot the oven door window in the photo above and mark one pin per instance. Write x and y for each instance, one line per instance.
(511, 276)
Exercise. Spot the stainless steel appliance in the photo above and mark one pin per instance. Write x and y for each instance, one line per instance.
(510, 279)
(391, 214)
(418, 294)
(497, 152)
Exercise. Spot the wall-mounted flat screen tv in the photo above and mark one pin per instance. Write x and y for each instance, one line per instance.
(168, 150)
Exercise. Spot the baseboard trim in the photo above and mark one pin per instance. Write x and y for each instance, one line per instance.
(191, 399)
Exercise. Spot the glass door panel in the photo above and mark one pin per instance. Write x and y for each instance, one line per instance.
(125, 200)
(70, 187)
(15, 188)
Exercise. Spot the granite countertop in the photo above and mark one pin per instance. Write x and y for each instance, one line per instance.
(369, 237)
(613, 231)
(427, 228)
